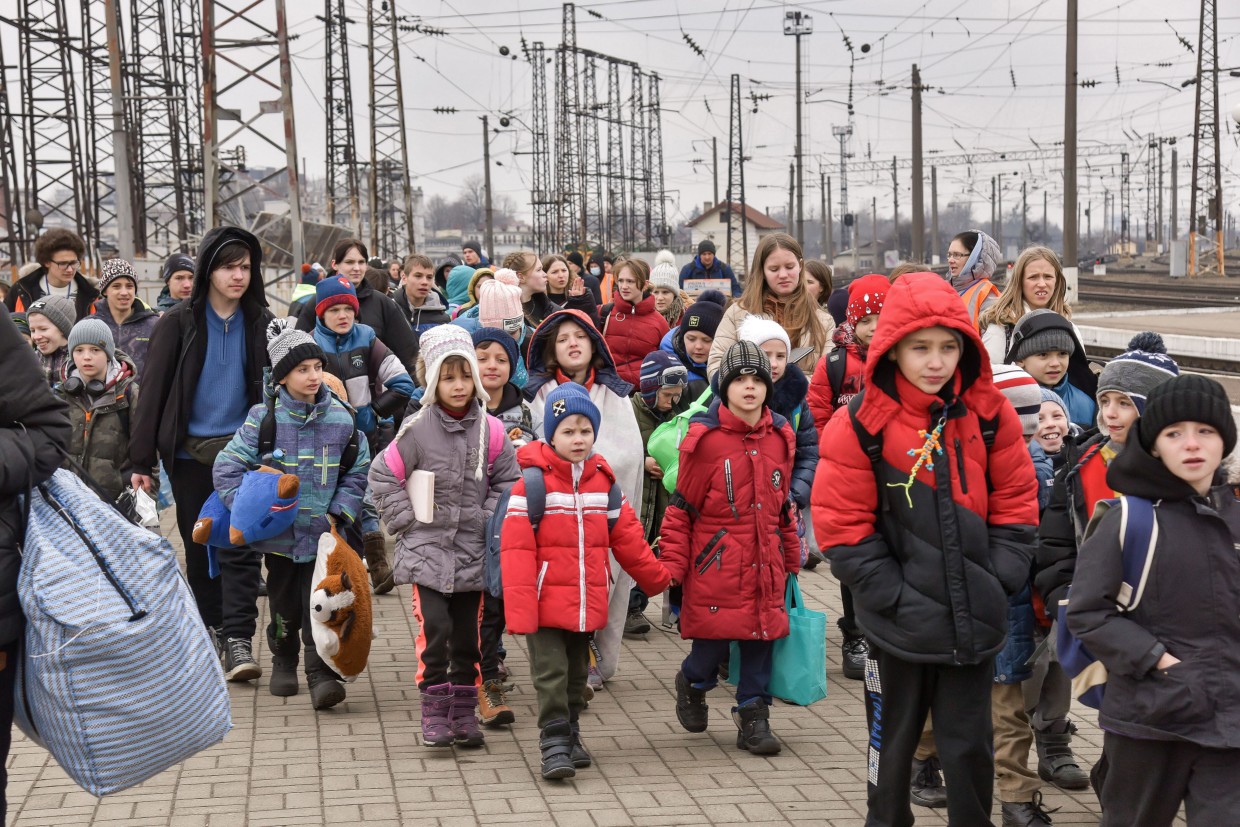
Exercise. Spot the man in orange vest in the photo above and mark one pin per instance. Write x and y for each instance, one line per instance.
(972, 257)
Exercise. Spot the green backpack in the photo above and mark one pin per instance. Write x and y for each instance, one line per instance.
(664, 443)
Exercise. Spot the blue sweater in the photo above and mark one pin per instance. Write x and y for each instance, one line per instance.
(220, 401)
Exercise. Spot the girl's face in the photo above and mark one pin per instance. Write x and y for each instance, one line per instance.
(957, 255)
(493, 366)
(1052, 427)
(1192, 451)
(394, 271)
(814, 287)
(455, 388)
(778, 356)
(863, 330)
(573, 348)
(782, 271)
(1118, 412)
(664, 297)
(535, 278)
(1038, 285)
(626, 286)
(557, 278)
(352, 266)
(46, 336)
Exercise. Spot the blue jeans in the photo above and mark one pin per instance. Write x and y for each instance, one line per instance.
(701, 667)
(370, 517)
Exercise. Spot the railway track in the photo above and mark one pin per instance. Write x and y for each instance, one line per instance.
(1148, 294)
(1192, 364)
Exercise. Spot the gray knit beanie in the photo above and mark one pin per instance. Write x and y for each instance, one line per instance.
(58, 310)
(92, 331)
(288, 347)
(1047, 339)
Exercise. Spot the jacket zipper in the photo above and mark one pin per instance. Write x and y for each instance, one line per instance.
(964, 482)
(542, 572)
(716, 558)
(727, 478)
(581, 560)
(324, 466)
(710, 544)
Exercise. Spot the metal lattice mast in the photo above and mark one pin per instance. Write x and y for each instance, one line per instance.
(188, 107)
(545, 235)
(158, 161)
(1205, 231)
(50, 142)
(654, 177)
(1125, 204)
(567, 98)
(592, 228)
(391, 196)
(342, 179)
(1151, 192)
(738, 245)
(246, 57)
(98, 176)
(639, 212)
(617, 226)
(11, 222)
(843, 133)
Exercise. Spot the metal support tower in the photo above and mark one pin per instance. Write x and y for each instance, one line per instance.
(1151, 192)
(639, 213)
(342, 183)
(587, 118)
(543, 197)
(567, 99)
(154, 131)
(188, 102)
(618, 235)
(99, 171)
(246, 57)
(1125, 205)
(655, 193)
(391, 195)
(842, 134)
(1205, 228)
(11, 225)
(50, 141)
(738, 244)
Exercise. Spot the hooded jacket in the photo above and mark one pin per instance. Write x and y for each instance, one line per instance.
(29, 290)
(1079, 387)
(376, 382)
(727, 335)
(632, 331)
(932, 563)
(1187, 608)
(34, 429)
(973, 282)
(560, 577)
(717, 270)
(674, 343)
(433, 312)
(822, 398)
(132, 335)
(379, 312)
(178, 350)
(101, 425)
(730, 537)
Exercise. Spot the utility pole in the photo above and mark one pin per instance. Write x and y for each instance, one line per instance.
(1205, 221)
(1069, 156)
(827, 221)
(842, 134)
(992, 207)
(934, 215)
(1046, 227)
(1024, 214)
(999, 209)
(489, 241)
(792, 181)
(1158, 232)
(120, 142)
(738, 231)
(1175, 195)
(919, 212)
(798, 24)
(874, 229)
(895, 212)
(714, 164)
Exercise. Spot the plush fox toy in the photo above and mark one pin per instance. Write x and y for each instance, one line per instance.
(341, 618)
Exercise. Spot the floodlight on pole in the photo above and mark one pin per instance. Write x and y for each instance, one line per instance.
(798, 24)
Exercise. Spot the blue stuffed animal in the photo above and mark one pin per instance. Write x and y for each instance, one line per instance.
(264, 506)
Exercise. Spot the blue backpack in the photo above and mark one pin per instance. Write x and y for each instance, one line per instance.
(536, 504)
(1139, 537)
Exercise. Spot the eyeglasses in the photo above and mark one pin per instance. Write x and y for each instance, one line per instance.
(675, 376)
(957, 256)
(66, 265)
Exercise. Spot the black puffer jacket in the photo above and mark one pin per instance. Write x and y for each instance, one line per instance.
(1188, 608)
(34, 428)
(178, 349)
(380, 312)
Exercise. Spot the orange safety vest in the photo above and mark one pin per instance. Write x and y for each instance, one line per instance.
(975, 296)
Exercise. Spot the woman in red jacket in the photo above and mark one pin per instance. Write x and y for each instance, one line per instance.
(729, 535)
(934, 532)
(632, 326)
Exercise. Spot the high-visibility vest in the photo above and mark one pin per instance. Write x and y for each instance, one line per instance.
(975, 296)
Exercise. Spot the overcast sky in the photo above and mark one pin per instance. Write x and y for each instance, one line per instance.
(996, 69)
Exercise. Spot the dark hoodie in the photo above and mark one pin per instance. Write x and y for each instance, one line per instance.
(178, 350)
(1187, 608)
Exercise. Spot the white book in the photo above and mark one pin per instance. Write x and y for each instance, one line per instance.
(421, 489)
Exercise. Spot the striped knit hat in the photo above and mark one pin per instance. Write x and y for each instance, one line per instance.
(288, 347)
(1023, 391)
(436, 345)
(1138, 370)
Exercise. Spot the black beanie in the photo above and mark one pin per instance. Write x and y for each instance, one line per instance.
(1187, 398)
(744, 359)
(702, 316)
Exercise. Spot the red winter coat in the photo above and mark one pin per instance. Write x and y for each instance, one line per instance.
(822, 399)
(733, 554)
(631, 332)
(561, 577)
(930, 580)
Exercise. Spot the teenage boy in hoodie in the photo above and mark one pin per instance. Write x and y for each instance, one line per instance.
(929, 442)
(1046, 346)
(1172, 732)
(204, 371)
(119, 307)
(423, 305)
(178, 275)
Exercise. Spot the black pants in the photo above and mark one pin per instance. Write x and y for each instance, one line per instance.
(898, 698)
(1147, 780)
(701, 667)
(559, 668)
(638, 601)
(447, 642)
(491, 636)
(848, 617)
(9, 653)
(230, 602)
(288, 596)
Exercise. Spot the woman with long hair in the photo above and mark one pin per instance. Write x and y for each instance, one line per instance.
(775, 289)
(632, 326)
(818, 281)
(566, 290)
(1037, 283)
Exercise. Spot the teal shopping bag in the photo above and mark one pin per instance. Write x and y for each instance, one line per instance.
(799, 661)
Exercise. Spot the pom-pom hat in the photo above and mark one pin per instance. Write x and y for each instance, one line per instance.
(1137, 371)
(288, 347)
(1023, 391)
(436, 345)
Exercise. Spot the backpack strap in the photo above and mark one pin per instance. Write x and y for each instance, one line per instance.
(495, 441)
(837, 368)
(349, 455)
(615, 499)
(684, 505)
(1138, 529)
(871, 444)
(535, 495)
(267, 429)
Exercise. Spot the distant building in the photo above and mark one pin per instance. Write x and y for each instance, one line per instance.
(850, 263)
(712, 225)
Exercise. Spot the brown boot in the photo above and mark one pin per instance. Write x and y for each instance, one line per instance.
(376, 561)
(493, 708)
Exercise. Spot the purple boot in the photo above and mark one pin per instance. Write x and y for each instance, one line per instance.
(436, 711)
(464, 722)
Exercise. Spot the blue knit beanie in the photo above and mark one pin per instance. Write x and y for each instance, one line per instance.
(484, 335)
(566, 400)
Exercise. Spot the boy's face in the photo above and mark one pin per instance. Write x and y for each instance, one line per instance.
(573, 440)
(1117, 412)
(120, 295)
(746, 395)
(927, 358)
(1047, 368)
(493, 366)
(863, 330)
(1052, 427)
(418, 283)
(46, 336)
(230, 281)
(304, 380)
(456, 386)
(778, 356)
(339, 318)
(667, 397)
(181, 284)
(91, 362)
(1192, 451)
(697, 346)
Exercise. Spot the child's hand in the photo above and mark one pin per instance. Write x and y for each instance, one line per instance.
(1167, 661)
(653, 469)
(515, 434)
(141, 481)
(674, 582)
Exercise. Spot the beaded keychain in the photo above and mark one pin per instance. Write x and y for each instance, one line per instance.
(925, 455)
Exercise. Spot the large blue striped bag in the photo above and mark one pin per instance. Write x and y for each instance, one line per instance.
(119, 678)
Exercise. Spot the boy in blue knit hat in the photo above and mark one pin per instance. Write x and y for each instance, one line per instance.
(498, 359)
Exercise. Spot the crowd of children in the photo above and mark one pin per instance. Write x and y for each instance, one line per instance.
(549, 458)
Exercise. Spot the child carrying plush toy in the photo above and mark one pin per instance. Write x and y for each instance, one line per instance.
(313, 432)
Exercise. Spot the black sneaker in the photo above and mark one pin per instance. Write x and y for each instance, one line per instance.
(926, 789)
(691, 709)
(239, 663)
(1026, 813)
(262, 587)
(855, 651)
(636, 624)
